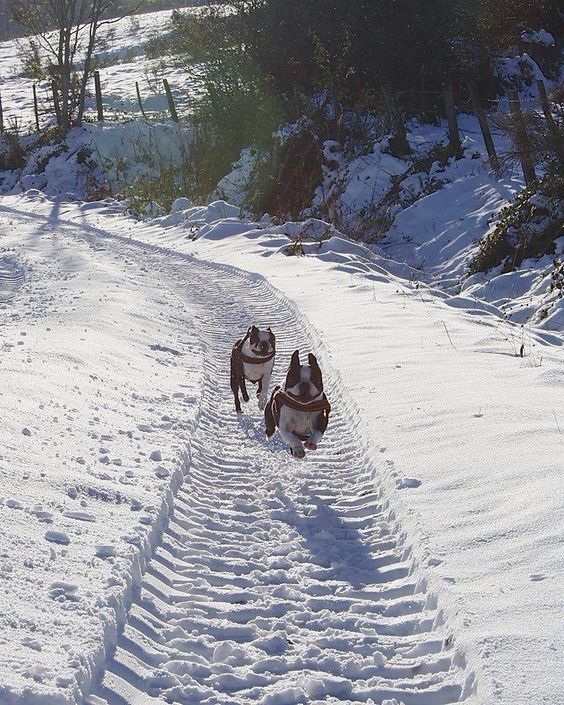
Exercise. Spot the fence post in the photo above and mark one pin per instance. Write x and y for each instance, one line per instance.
(400, 133)
(1, 116)
(56, 102)
(453, 134)
(139, 99)
(484, 127)
(98, 89)
(170, 99)
(521, 138)
(36, 108)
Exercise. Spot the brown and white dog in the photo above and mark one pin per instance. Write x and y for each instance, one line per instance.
(252, 359)
(300, 408)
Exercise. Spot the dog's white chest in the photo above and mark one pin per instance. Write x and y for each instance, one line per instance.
(299, 422)
(254, 372)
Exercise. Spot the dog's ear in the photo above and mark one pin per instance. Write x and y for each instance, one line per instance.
(271, 336)
(293, 376)
(316, 378)
(254, 334)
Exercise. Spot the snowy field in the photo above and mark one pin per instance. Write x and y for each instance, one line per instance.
(122, 62)
(416, 556)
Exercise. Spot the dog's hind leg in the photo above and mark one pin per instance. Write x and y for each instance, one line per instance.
(234, 379)
(243, 386)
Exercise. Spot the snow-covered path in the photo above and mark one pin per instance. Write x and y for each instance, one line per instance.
(338, 579)
(277, 581)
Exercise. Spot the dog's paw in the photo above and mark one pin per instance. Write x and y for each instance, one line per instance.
(245, 397)
(297, 452)
(310, 445)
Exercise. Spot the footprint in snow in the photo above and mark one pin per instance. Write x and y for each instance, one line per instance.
(57, 537)
(163, 348)
(407, 482)
(80, 516)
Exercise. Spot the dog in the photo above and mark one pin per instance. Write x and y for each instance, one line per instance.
(300, 409)
(252, 359)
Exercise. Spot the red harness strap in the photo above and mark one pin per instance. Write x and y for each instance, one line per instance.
(281, 398)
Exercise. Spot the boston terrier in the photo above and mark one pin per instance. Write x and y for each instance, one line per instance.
(300, 408)
(252, 359)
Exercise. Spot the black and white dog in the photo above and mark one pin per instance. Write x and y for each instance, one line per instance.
(300, 408)
(252, 359)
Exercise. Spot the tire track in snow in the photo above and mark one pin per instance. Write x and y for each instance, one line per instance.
(277, 581)
(11, 277)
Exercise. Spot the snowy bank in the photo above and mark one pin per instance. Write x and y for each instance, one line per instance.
(98, 402)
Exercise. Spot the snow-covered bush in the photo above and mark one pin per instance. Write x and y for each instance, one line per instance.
(527, 228)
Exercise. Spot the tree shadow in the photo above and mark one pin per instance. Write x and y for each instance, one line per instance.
(338, 546)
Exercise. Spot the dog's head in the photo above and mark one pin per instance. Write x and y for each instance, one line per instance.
(304, 381)
(262, 342)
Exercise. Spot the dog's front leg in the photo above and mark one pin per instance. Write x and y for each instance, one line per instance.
(296, 447)
(318, 431)
(313, 440)
(264, 386)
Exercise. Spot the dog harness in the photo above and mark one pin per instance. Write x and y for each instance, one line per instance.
(238, 352)
(280, 398)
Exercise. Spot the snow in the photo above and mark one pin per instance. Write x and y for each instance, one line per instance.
(82, 406)
(154, 547)
(460, 436)
(540, 36)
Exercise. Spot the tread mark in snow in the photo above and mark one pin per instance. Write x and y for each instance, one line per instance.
(11, 277)
(277, 581)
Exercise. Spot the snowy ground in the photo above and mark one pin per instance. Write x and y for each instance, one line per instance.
(416, 556)
(100, 389)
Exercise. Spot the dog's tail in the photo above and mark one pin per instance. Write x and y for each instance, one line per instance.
(269, 420)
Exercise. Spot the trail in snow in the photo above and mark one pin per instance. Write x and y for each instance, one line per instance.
(11, 277)
(276, 581)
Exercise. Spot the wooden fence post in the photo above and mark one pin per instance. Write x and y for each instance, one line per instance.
(139, 99)
(521, 138)
(170, 99)
(484, 127)
(36, 108)
(98, 89)
(453, 134)
(56, 102)
(1, 116)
